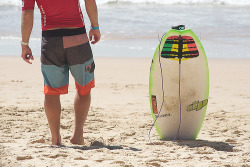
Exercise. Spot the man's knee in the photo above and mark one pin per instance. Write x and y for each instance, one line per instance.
(52, 97)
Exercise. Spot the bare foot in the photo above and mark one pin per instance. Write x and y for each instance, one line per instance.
(56, 141)
(77, 140)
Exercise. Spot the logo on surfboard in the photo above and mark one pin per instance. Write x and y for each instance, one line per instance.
(179, 47)
(197, 105)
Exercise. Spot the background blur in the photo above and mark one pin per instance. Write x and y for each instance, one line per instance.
(130, 28)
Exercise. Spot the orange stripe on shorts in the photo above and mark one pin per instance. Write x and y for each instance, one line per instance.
(85, 90)
(55, 91)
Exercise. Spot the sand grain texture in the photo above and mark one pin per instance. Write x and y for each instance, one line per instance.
(116, 131)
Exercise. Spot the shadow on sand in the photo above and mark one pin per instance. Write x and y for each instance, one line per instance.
(98, 145)
(219, 146)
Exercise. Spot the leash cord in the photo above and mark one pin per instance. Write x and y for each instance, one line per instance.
(179, 99)
(162, 83)
(162, 90)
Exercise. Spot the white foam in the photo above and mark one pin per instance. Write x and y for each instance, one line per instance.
(10, 3)
(186, 2)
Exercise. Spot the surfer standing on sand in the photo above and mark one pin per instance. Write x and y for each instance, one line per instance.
(65, 46)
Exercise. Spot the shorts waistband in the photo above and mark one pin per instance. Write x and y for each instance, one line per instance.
(63, 32)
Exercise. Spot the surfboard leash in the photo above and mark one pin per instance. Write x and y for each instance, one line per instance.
(180, 55)
(179, 98)
(163, 99)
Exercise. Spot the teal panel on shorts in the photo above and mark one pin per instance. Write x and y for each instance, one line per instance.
(80, 74)
(54, 76)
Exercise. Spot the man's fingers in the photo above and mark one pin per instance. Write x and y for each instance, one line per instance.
(94, 36)
(27, 54)
(96, 39)
(28, 61)
(93, 41)
(27, 58)
(90, 36)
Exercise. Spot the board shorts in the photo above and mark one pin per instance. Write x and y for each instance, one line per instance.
(65, 50)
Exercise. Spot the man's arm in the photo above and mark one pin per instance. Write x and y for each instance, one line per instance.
(92, 12)
(26, 28)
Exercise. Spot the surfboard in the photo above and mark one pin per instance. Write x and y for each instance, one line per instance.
(179, 85)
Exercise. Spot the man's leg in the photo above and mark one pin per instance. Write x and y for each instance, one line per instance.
(81, 107)
(52, 107)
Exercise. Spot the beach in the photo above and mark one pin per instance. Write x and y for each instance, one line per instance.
(116, 130)
(119, 119)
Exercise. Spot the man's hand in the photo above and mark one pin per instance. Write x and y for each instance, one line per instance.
(26, 28)
(94, 36)
(27, 54)
(91, 8)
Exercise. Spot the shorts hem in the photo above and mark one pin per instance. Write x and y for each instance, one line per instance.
(81, 94)
(84, 90)
(56, 93)
(85, 93)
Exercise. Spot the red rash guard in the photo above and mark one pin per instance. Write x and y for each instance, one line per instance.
(57, 13)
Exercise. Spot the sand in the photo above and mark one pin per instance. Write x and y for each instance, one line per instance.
(116, 131)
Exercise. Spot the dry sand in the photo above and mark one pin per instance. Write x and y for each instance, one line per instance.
(116, 131)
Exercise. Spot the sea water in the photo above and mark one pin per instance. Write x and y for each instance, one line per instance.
(132, 28)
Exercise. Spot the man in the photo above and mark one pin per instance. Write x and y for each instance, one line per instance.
(65, 46)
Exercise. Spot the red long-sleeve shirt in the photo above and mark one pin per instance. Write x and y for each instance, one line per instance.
(57, 13)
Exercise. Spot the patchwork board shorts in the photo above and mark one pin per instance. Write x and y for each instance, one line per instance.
(65, 50)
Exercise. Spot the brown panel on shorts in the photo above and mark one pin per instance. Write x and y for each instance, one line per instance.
(70, 41)
(78, 54)
(52, 52)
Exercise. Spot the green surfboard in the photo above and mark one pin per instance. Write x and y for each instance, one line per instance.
(179, 85)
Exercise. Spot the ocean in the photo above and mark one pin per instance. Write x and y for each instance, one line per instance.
(131, 28)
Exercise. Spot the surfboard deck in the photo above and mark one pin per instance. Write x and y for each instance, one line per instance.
(194, 85)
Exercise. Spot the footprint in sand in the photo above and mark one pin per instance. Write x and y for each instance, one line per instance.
(65, 126)
(119, 162)
(224, 130)
(130, 86)
(79, 158)
(16, 81)
(156, 143)
(153, 164)
(38, 141)
(67, 137)
(54, 156)
(97, 143)
(130, 134)
(237, 132)
(57, 155)
(24, 157)
(231, 141)
(110, 140)
(207, 158)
